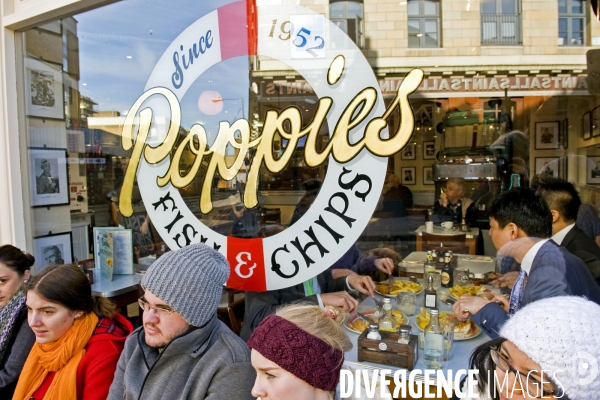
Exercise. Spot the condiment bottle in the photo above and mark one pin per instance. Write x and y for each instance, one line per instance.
(404, 336)
(447, 271)
(429, 266)
(463, 225)
(433, 353)
(374, 332)
(430, 293)
(387, 322)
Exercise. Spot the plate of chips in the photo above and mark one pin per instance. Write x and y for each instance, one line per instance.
(357, 324)
(463, 330)
(399, 285)
(458, 290)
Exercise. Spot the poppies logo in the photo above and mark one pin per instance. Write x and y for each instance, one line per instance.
(350, 107)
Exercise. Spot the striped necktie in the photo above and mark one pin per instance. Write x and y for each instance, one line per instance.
(517, 293)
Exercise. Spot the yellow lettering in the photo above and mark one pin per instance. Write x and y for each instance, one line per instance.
(387, 147)
(152, 155)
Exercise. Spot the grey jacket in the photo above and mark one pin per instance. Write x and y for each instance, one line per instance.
(19, 345)
(207, 363)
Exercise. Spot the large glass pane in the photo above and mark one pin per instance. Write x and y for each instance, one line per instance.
(509, 7)
(577, 6)
(489, 31)
(563, 24)
(508, 30)
(337, 10)
(412, 8)
(562, 6)
(577, 24)
(430, 7)
(488, 7)
(355, 9)
(414, 29)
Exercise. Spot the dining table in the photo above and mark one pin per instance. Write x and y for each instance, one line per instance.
(461, 350)
(470, 236)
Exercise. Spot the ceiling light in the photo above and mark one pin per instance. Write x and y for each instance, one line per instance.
(129, 57)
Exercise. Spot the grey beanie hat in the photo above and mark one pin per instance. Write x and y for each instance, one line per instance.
(190, 280)
(561, 335)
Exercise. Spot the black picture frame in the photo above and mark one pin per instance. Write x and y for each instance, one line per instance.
(58, 245)
(542, 166)
(428, 173)
(49, 188)
(596, 122)
(409, 152)
(408, 175)
(586, 126)
(547, 135)
(593, 170)
(564, 133)
(429, 150)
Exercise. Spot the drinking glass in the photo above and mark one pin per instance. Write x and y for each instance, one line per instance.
(448, 335)
(407, 303)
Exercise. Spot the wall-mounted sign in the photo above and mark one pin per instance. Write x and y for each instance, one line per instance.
(350, 103)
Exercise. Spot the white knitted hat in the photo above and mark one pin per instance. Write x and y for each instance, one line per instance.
(190, 280)
(561, 333)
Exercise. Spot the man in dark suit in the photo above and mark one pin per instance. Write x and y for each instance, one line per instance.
(520, 227)
(564, 203)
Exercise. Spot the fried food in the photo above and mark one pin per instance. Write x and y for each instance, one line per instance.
(360, 324)
(457, 291)
(460, 327)
(399, 286)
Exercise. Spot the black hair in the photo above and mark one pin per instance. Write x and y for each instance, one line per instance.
(481, 359)
(560, 195)
(15, 259)
(523, 208)
(68, 286)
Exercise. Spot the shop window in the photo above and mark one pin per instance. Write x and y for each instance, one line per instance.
(501, 22)
(423, 23)
(348, 16)
(571, 22)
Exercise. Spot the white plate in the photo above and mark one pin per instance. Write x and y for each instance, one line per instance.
(350, 318)
(394, 295)
(475, 329)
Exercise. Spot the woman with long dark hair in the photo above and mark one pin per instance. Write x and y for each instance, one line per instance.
(16, 338)
(79, 338)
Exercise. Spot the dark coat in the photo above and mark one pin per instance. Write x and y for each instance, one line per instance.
(584, 247)
(554, 272)
(260, 305)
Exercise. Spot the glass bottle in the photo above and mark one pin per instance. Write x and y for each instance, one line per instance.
(515, 181)
(429, 266)
(463, 225)
(387, 322)
(433, 348)
(447, 271)
(430, 293)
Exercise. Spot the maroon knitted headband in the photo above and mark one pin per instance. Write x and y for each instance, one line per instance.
(298, 352)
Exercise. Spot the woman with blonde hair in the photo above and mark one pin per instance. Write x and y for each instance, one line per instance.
(298, 353)
(16, 338)
(79, 338)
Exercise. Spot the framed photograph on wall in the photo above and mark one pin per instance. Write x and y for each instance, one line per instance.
(564, 133)
(53, 249)
(44, 89)
(548, 166)
(428, 150)
(428, 176)
(48, 177)
(586, 126)
(408, 152)
(596, 122)
(547, 135)
(593, 170)
(409, 175)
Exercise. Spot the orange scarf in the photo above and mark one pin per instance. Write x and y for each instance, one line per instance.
(62, 356)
